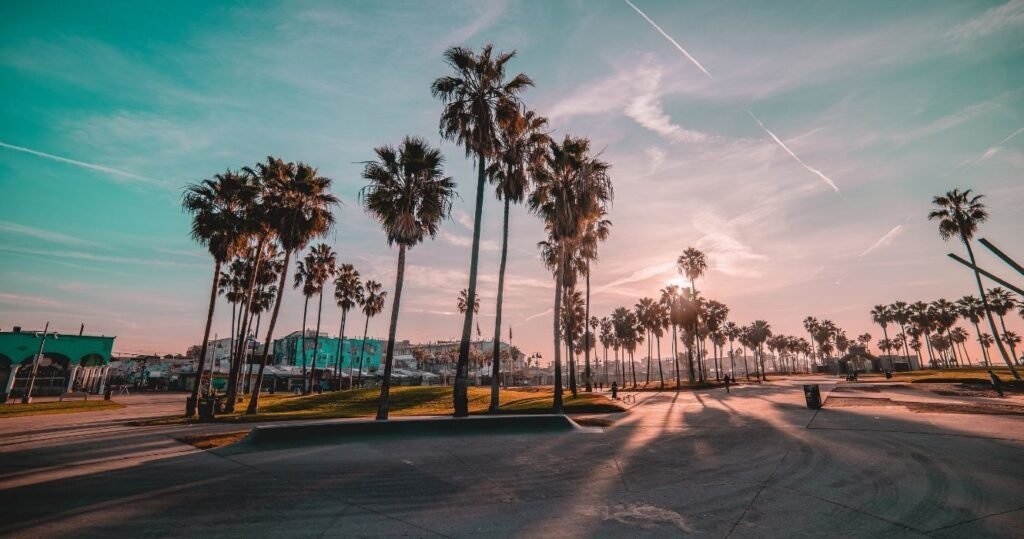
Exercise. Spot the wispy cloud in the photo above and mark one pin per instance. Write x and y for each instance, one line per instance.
(92, 166)
(993, 20)
(811, 169)
(467, 241)
(727, 252)
(487, 14)
(884, 240)
(46, 235)
(645, 108)
(94, 257)
(668, 37)
(22, 299)
(657, 157)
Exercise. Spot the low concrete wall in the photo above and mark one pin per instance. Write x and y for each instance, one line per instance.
(342, 430)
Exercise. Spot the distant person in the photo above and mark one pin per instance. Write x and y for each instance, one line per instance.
(997, 384)
(727, 381)
(615, 390)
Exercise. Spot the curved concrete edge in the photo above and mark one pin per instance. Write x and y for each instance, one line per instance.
(342, 430)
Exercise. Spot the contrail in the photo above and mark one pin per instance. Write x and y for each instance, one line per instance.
(1014, 134)
(884, 240)
(817, 172)
(668, 37)
(825, 178)
(91, 166)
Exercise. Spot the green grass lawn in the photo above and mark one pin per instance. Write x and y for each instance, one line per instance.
(49, 408)
(948, 376)
(416, 400)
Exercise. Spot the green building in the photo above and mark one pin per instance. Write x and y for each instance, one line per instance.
(288, 351)
(68, 362)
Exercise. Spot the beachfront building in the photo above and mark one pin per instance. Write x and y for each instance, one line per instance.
(67, 363)
(288, 351)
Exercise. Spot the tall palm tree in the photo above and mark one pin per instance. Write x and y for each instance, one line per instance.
(971, 309)
(1012, 339)
(305, 278)
(715, 315)
(881, 315)
(325, 262)
(596, 231)
(811, 325)
(372, 305)
(985, 341)
(693, 264)
(959, 215)
(572, 190)
(959, 336)
(409, 194)
(900, 313)
(299, 208)
(348, 292)
(760, 331)
(644, 318)
(217, 207)
(686, 315)
(607, 337)
(474, 97)
(945, 315)
(1001, 302)
(731, 332)
(521, 139)
(669, 294)
(573, 321)
(921, 317)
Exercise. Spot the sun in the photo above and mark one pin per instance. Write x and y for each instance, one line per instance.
(679, 281)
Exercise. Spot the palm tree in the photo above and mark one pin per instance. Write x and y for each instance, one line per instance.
(1012, 339)
(985, 341)
(607, 337)
(959, 215)
(945, 315)
(921, 317)
(686, 315)
(474, 98)
(669, 295)
(959, 336)
(881, 315)
(520, 145)
(299, 208)
(372, 305)
(693, 264)
(325, 262)
(597, 230)
(731, 332)
(864, 339)
(217, 207)
(971, 309)
(572, 190)
(811, 325)
(1001, 302)
(409, 195)
(305, 278)
(760, 331)
(715, 315)
(348, 292)
(573, 321)
(643, 316)
(462, 303)
(900, 313)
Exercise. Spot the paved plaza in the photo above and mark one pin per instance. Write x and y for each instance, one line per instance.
(752, 463)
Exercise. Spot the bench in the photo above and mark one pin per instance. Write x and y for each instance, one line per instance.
(74, 395)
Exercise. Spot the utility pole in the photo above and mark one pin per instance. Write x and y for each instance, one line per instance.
(27, 398)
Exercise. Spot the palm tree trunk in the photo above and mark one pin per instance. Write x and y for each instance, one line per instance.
(557, 403)
(341, 342)
(661, 374)
(191, 403)
(1013, 348)
(362, 351)
(302, 345)
(717, 370)
(385, 386)
(632, 366)
(988, 314)
(316, 341)
(984, 352)
(236, 364)
(461, 393)
(588, 386)
(675, 353)
(496, 353)
(254, 401)
(906, 347)
(239, 376)
(231, 346)
(647, 375)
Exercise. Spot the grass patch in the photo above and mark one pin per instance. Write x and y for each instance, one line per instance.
(967, 375)
(415, 400)
(213, 441)
(51, 408)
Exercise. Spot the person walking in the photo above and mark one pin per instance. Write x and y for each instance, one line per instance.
(727, 381)
(997, 384)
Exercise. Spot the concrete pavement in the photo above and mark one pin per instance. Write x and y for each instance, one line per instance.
(753, 463)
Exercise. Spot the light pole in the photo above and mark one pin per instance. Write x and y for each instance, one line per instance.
(27, 398)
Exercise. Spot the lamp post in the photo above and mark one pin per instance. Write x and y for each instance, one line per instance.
(27, 398)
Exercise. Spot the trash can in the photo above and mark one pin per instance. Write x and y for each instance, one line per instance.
(888, 375)
(813, 396)
(207, 409)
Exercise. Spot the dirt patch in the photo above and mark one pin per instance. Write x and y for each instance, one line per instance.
(593, 421)
(213, 441)
(969, 390)
(983, 408)
(856, 402)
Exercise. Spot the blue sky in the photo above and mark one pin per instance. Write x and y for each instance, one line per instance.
(109, 108)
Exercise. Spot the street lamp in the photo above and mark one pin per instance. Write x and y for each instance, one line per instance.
(27, 398)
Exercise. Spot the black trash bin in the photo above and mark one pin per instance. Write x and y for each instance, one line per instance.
(888, 375)
(207, 409)
(813, 396)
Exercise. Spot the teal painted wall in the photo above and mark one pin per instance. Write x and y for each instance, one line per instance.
(328, 352)
(19, 347)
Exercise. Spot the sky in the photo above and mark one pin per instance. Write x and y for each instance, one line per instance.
(797, 143)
